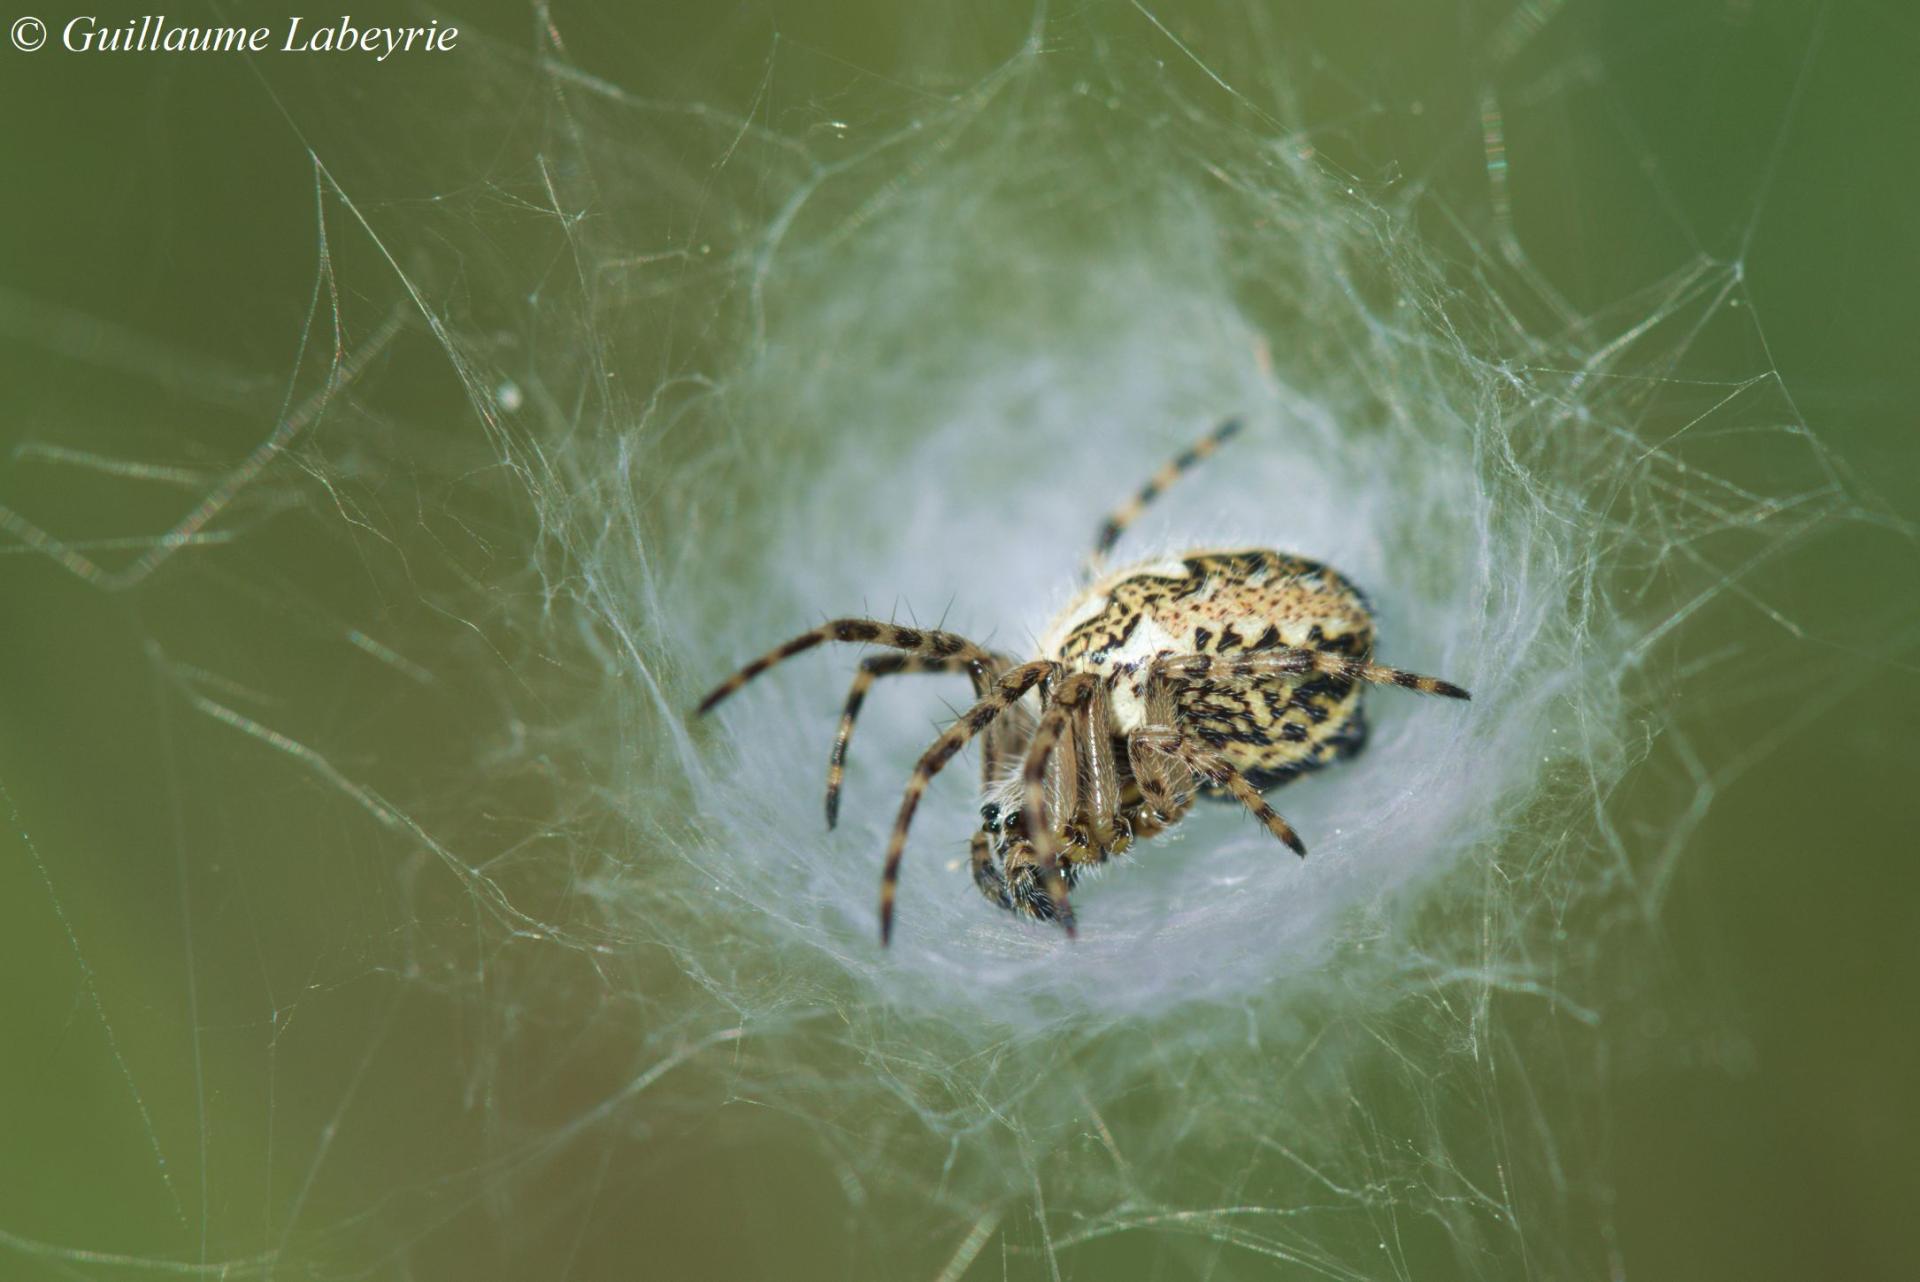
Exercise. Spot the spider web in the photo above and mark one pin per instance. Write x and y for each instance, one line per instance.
(468, 954)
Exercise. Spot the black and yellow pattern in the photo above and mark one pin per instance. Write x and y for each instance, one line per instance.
(1219, 672)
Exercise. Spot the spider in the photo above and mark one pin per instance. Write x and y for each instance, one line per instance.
(1218, 672)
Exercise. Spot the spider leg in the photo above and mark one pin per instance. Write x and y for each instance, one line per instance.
(985, 875)
(1162, 778)
(1052, 766)
(1166, 740)
(1149, 771)
(1060, 759)
(927, 642)
(1222, 774)
(1102, 781)
(884, 665)
(1007, 690)
(1129, 512)
(1003, 742)
(1275, 663)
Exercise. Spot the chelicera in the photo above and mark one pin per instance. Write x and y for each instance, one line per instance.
(1218, 673)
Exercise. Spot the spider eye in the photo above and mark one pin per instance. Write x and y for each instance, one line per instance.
(990, 817)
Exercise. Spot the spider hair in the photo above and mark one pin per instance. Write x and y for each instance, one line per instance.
(1081, 784)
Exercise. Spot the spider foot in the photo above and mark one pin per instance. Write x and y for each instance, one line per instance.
(1030, 894)
(986, 875)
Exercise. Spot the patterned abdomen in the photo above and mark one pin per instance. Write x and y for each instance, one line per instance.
(1229, 603)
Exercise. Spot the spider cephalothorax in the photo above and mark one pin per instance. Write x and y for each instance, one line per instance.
(1217, 672)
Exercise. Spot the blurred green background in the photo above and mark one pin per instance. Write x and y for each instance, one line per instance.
(212, 1047)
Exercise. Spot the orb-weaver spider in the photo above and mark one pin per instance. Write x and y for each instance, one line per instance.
(1226, 672)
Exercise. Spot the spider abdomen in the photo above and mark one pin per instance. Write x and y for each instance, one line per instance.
(1228, 603)
(1219, 671)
